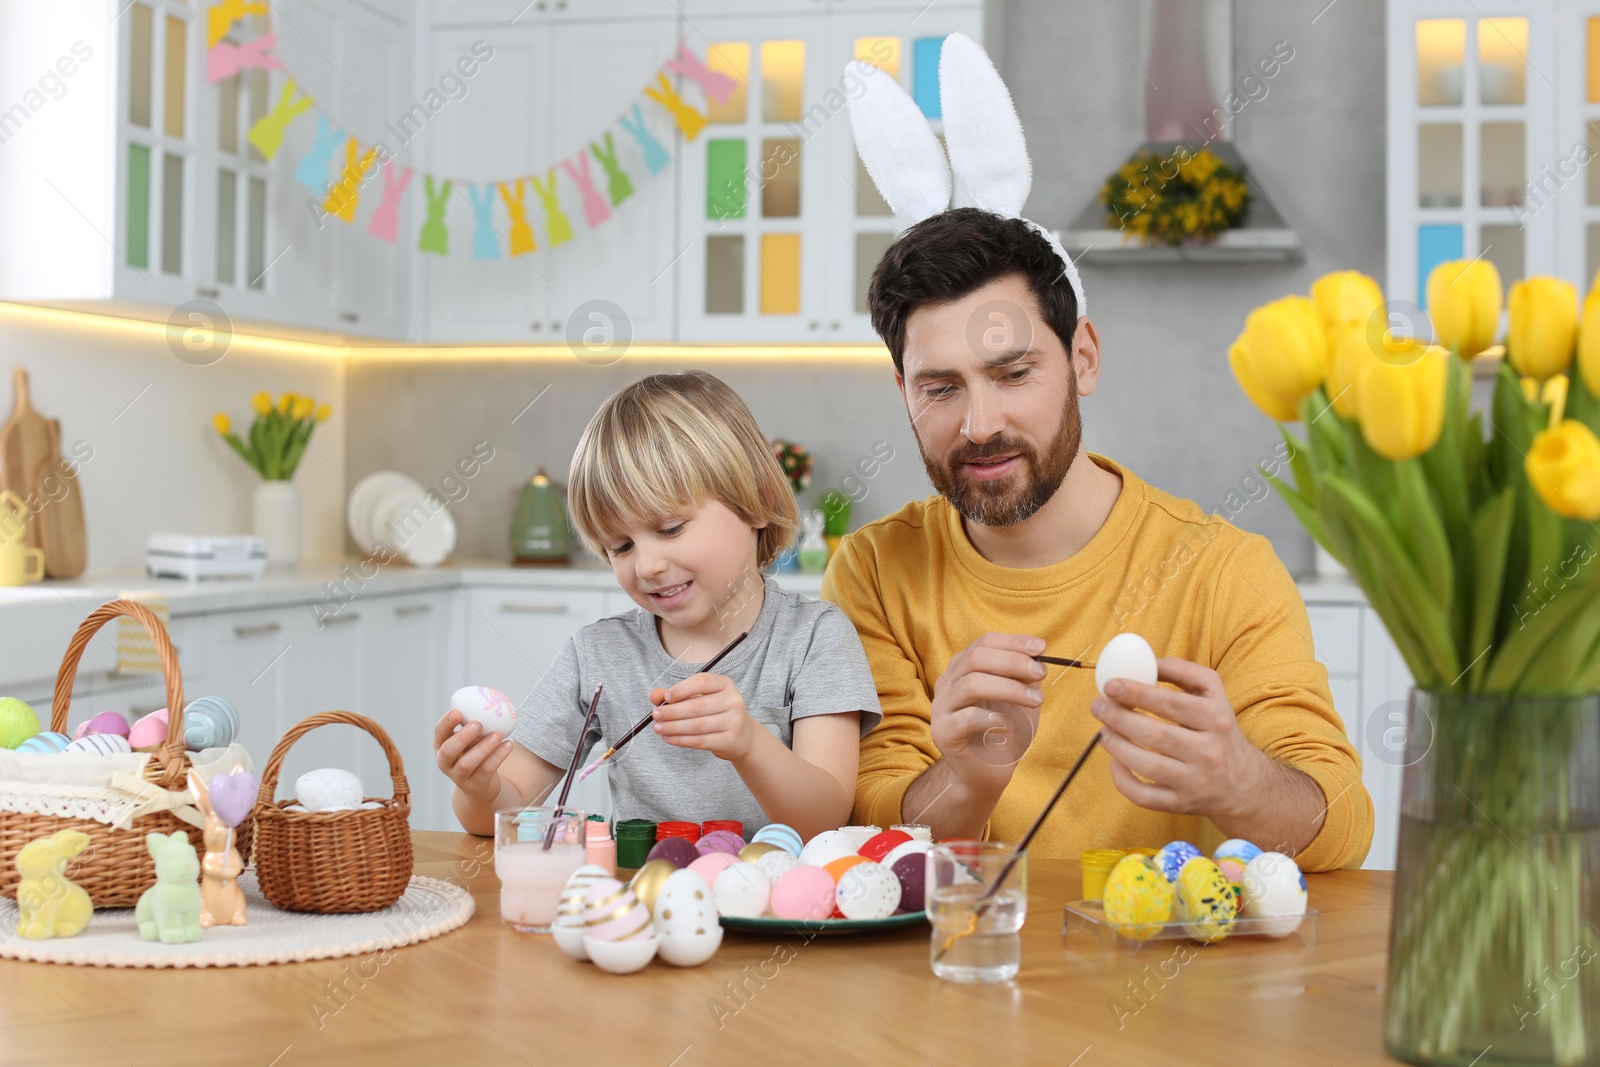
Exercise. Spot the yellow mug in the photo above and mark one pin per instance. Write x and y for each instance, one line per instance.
(20, 564)
(13, 517)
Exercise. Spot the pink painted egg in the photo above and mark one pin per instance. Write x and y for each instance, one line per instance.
(107, 722)
(148, 731)
(487, 707)
(612, 912)
(804, 893)
(720, 841)
(712, 864)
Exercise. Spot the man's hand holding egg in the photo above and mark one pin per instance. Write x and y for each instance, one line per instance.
(1187, 755)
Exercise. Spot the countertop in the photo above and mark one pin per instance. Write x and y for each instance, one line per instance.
(485, 995)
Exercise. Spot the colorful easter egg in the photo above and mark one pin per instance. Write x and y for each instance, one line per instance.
(1138, 897)
(46, 744)
(648, 880)
(105, 722)
(148, 731)
(780, 834)
(612, 912)
(774, 864)
(756, 849)
(712, 864)
(100, 744)
(568, 926)
(837, 867)
(1274, 889)
(804, 893)
(1172, 857)
(906, 848)
(487, 707)
(1233, 870)
(720, 841)
(18, 722)
(209, 722)
(880, 845)
(675, 850)
(912, 871)
(868, 891)
(1205, 902)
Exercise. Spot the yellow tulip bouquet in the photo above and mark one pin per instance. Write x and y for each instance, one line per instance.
(279, 435)
(1473, 537)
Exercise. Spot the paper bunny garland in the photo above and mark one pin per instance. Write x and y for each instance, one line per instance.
(987, 150)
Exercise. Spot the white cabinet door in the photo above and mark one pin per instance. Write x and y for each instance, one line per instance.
(249, 666)
(325, 670)
(405, 653)
(1382, 734)
(613, 283)
(498, 131)
(514, 632)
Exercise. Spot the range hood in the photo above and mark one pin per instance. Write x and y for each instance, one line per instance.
(1188, 59)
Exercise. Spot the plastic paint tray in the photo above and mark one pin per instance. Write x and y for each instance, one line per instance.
(1085, 920)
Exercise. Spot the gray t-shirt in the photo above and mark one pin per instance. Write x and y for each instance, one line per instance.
(802, 658)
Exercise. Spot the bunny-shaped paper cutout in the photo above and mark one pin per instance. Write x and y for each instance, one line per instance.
(485, 238)
(522, 241)
(987, 150)
(385, 224)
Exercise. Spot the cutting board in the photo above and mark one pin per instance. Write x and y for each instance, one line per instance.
(24, 446)
(31, 466)
(60, 521)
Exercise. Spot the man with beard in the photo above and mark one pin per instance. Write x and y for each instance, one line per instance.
(1033, 544)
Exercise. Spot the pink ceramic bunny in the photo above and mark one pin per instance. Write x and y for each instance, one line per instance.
(222, 901)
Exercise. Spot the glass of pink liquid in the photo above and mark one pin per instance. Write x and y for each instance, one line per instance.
(531, 875)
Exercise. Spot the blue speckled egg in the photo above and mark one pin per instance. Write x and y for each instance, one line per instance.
(1172, 857)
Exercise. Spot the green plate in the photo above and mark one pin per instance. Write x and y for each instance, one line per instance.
(768, 925)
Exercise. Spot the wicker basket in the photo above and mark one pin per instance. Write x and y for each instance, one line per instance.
(333, 861)
(116, 867)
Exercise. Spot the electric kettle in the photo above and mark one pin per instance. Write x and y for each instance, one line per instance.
(539, 531)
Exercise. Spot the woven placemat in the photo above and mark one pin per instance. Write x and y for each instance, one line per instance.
(428, 908)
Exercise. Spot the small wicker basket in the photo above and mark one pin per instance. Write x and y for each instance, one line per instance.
(333, 861)
(116, 867)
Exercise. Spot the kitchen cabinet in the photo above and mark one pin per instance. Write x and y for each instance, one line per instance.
(1487, 140)
(411, 665)
(779, 223)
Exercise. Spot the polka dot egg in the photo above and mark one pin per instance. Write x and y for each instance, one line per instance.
(868, 891)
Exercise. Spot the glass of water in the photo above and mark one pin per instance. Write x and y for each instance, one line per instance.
(973, 941)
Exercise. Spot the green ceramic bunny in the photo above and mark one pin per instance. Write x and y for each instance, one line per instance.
(169, 911)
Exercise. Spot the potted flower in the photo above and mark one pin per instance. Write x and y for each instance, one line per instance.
(277, 440)
(1472, 534)
(796, 464)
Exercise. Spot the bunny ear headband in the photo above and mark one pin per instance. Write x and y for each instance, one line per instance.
(987, 150)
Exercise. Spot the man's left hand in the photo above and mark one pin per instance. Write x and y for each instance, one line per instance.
(1193, 759)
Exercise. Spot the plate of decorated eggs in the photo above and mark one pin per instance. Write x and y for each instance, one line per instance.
(854, 879)
(1180, 892)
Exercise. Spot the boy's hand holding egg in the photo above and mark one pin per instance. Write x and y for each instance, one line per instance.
(705, 711)
(1187, 755)
(471, 755)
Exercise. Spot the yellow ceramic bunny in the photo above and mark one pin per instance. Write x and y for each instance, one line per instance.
(50, 905)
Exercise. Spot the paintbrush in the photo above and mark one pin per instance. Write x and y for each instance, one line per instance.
(577, 753)
(1060, 662)
(594, 765)
(986, 898)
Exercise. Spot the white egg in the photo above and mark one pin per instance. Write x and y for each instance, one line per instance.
(685, 907)
(776, 864)
(489, 708)
(826, 847)
(1274, 889)
(1125, 656)
(742, 890)
(868, 891)
(905, 848)
(328, 789)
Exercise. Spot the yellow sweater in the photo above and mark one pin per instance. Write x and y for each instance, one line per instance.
(1193, 585)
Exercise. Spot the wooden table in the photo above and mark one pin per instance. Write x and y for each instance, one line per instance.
(484, 995)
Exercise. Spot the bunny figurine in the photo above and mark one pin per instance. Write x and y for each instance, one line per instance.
(221, 899)
(169, 911)
(50, 905)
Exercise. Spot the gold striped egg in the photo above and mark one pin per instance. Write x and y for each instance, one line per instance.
(1138, 897)
(756, 849)
(649, 879)
(612, 912)
(569, 912)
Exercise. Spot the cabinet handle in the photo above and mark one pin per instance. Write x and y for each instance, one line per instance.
(209, 294)
(536, 327)
(412, 609)
(349, 316)
(258, 628)
(535, 607)
(833, 325)
(353, 616)
(138, 711)
(813, 325)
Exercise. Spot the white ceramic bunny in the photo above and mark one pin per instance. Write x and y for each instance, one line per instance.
(222, 901)
(987, 150)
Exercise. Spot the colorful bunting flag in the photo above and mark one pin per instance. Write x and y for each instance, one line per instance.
(521, 233)
(267, 133)
(346, 192)
(485, 240)
(714, 84)
(313, 169)
(385, 224)
(655, 156)
(618, 185)
(225, 60)
(435, 238)
(595, 208)
(555, 220)
(690, 121)
(221, 17)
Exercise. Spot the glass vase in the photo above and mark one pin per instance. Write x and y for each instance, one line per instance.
(1496, 923)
